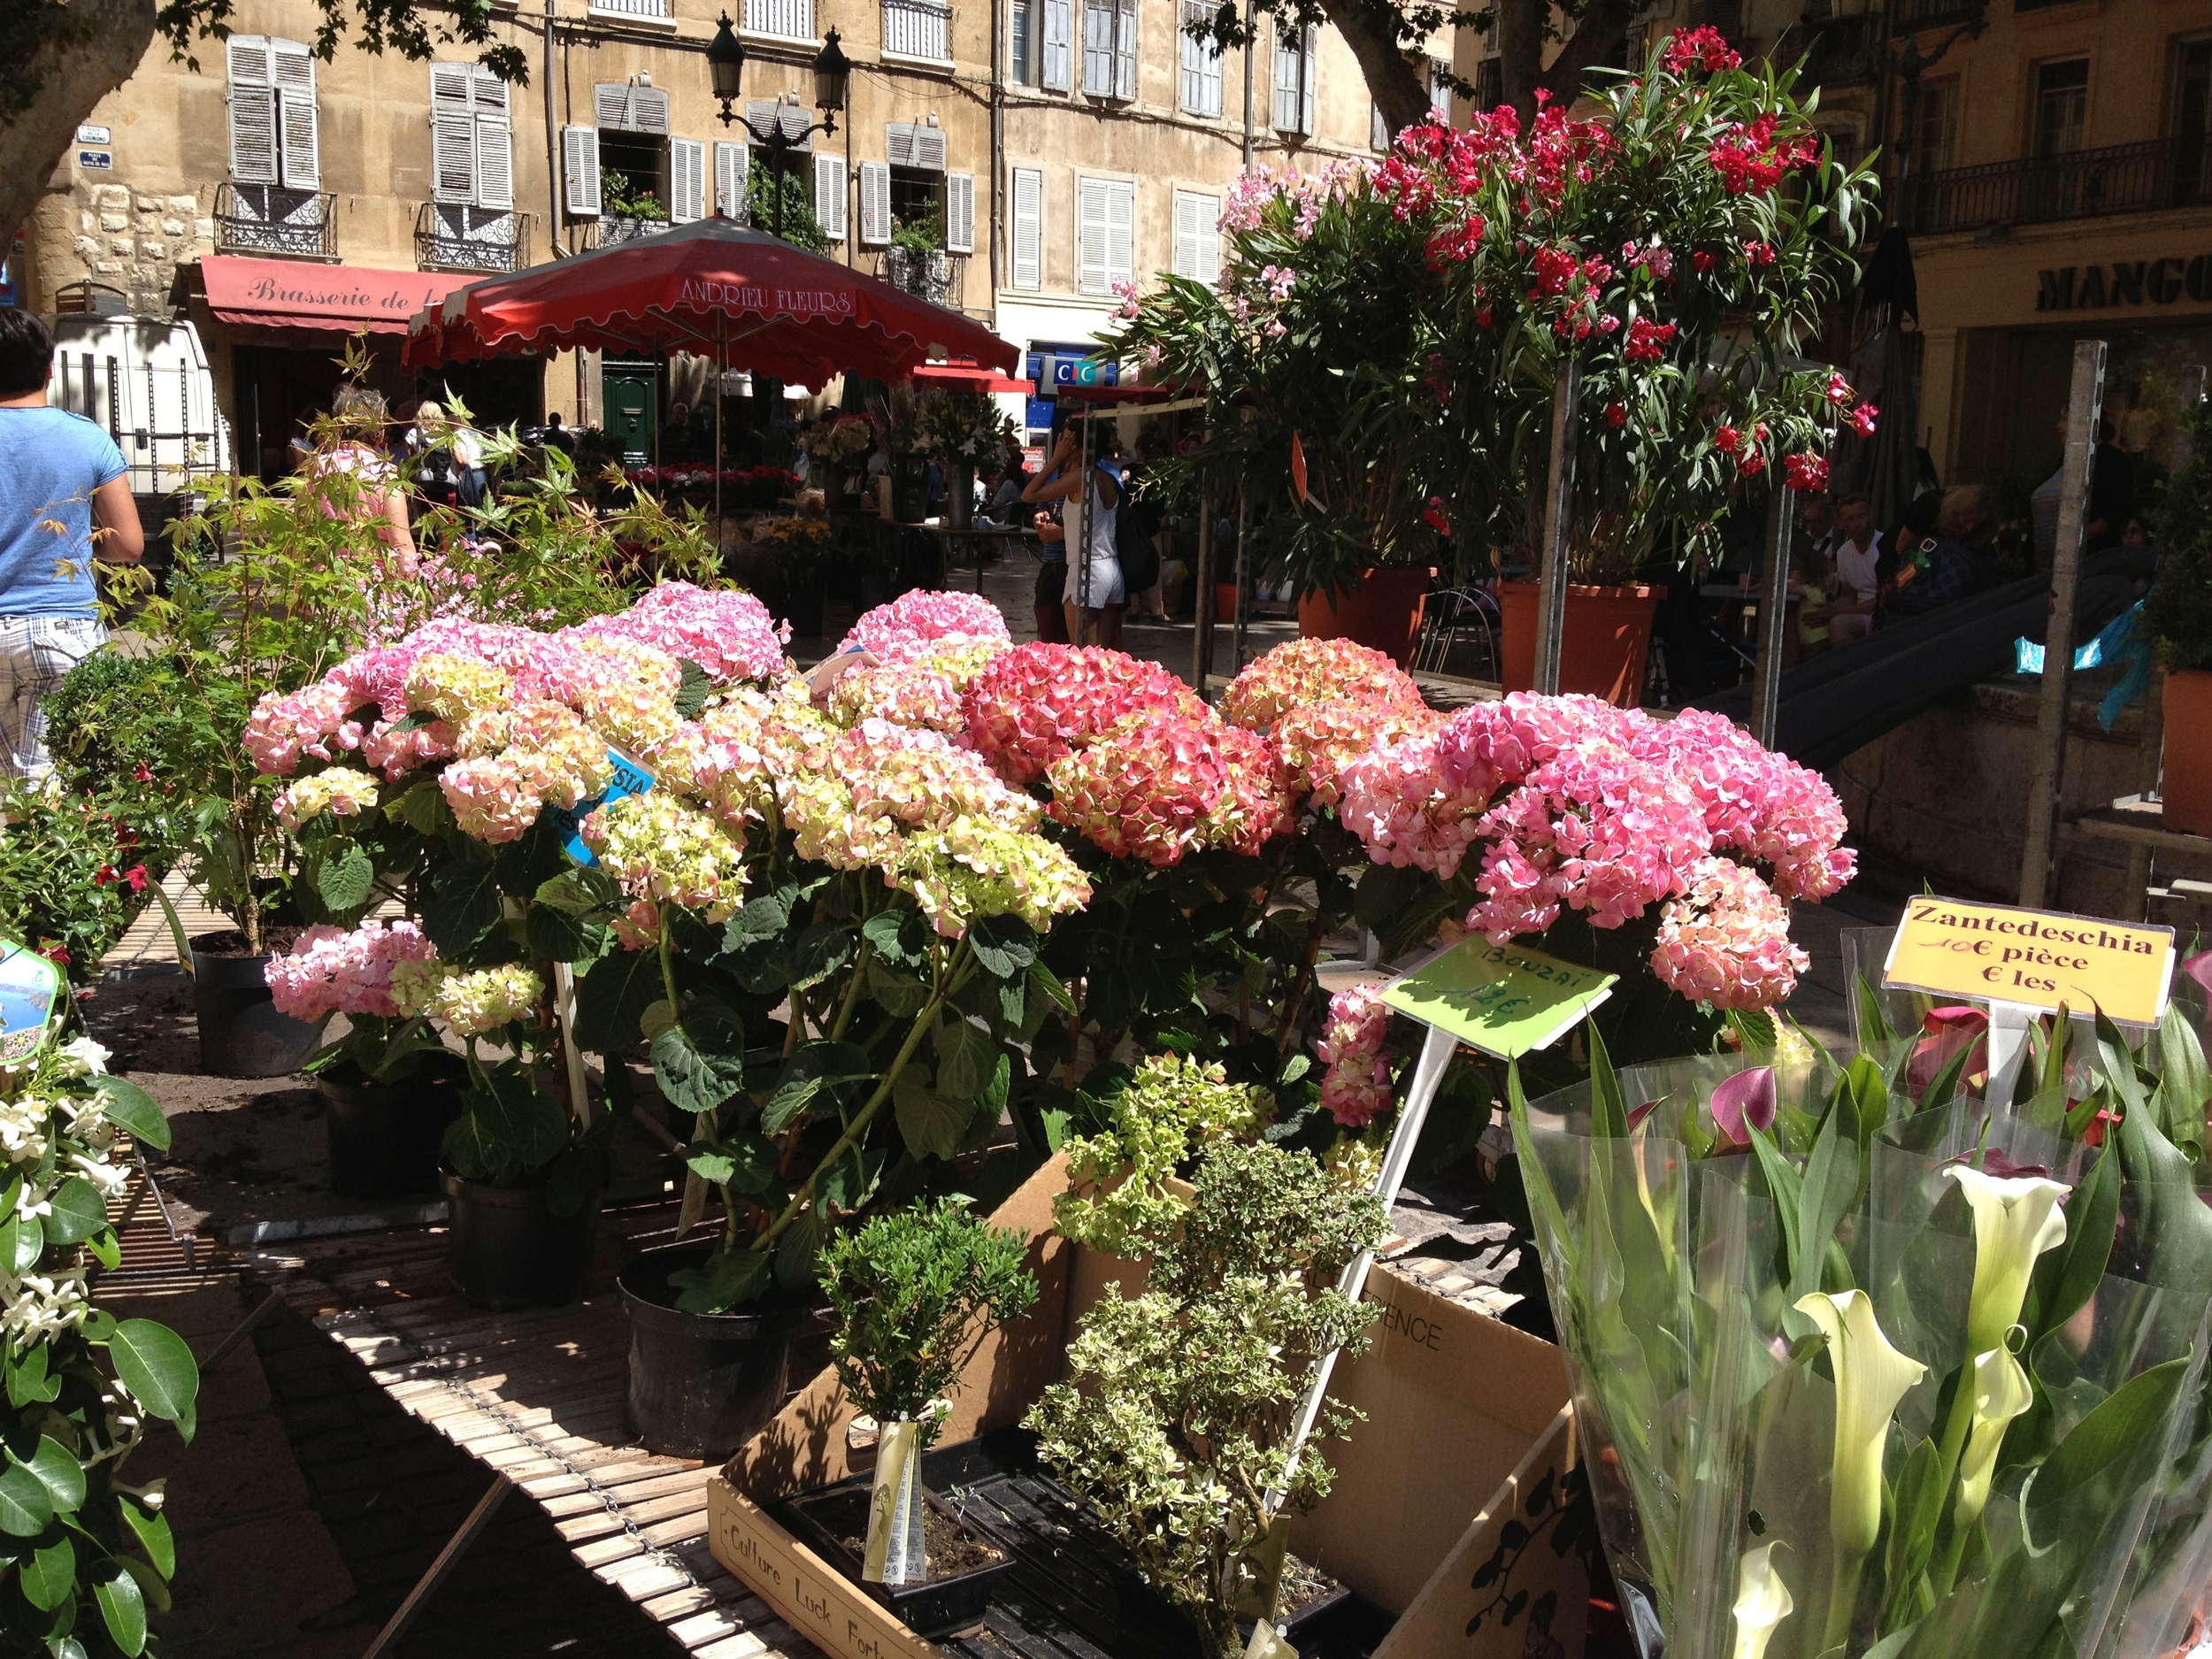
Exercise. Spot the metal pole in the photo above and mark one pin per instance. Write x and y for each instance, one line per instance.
(1082, 632)
(1236, 635)
(2084, 410)
(1250, 59)
(721, 372)
(1201, 655)
(1766, 694)
(1559, 499)
(427, 1585)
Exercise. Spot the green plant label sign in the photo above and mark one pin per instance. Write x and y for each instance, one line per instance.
(30, 986)
(629, 779)
(1505, 1000)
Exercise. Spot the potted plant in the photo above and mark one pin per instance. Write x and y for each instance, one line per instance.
(896, 419)
(961, 432)
(2178, 619)
(1179, 1418)
(802, 548)
(913, 1292)
(915, 260)
(629, 210)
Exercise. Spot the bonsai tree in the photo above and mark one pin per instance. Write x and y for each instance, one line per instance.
(914, 1290)
(1177, 1422)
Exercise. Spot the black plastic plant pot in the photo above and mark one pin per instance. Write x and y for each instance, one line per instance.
(507, 1249)
(830, 1523)
(241, 1035)
(703, 1384)
(385, 1137)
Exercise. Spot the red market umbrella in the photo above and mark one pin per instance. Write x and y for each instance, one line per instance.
(715, 287)
(965, 377)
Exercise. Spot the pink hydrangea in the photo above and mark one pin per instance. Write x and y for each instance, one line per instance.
(890, 632)
(729, 633)
(1317, 741)
(1150, 794)
(1399, 800)
(1255, 794)
(1356, 1086)
(925, 687)
(1039, 703)
(1757, 803)
(1302, 673)
(339, 790)
(331, 970)
(1727, 940)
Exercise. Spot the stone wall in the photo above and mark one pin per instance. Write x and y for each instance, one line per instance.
(133, 241)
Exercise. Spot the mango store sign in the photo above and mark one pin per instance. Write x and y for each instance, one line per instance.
(2041, 959)
(2123, 282)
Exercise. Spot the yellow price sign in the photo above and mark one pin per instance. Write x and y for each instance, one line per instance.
(1995, 953)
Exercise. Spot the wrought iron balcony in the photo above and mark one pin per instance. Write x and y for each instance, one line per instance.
(653, 11)
(936, 276)
(1915, 15)
(791, 19)
(2165, 173)
(272, 218)
(918, 28)
(1846, 52)
(453, 238)
(611, 228)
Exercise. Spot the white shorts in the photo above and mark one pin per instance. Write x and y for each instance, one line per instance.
(1106, 586)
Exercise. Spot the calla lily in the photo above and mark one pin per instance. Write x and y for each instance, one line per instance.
(2199, 968)
(1763, 1601)
(1944, 1034)
(1745, 1098)
(2014, 1221)
(1871, 1376)
(2000, 1393)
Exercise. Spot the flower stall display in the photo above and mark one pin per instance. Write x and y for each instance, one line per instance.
(1381, 347)
(89, 1554)
(964, 433)
(1870, 1369)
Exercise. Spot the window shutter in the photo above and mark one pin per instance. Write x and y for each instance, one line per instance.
(1059, 44)
(579, 165)
(296, 92)
(1289, 80)
(960, 212)
(772, 114)
(1197, 236)
(929, 149)
(494, 160)
(1440, 90)
(1029, 228)
(1098, 47)
(649, 105)
(253, 133)
(1121, 232)
(732, 167)
(1208, 270)
(1378, 129)
(687, 180)
(829, 196)
(1309, 61)
(1125, 51)
(452, 134)
(898, 143)
(611, 104)
(875, 203)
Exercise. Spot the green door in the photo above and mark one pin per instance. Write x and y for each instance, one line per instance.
(631, 392)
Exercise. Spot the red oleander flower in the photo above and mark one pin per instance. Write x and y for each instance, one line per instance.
(1808, 472)
(1646, 341)
(1616, 415)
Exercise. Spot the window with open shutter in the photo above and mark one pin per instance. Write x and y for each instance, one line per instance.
(580, 169)
(829, 196)
(1126, 50)
(1200, 61)
(687, 180)
(297, 150)
(960, 212)
(1028, 192)
(1308, 65)
(495, 140)
(611, 104)
(1121, 232)
(1059, 38)
(1294, 78)
(732, 164)
(914, 144)
(1197, 236)
(875, 203)
(648, 107)
(253, 120)
(1098, 47)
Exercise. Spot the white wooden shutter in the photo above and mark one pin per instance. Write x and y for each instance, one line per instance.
(295, 99)
(929, 149)
(1121, 231)
(1125, 51)
(452, 134)
(687, 180)
(1059, 44)
(1440, 90)
(898, 143)
(1092, 273)
(1309, 63)
(611, 104)
(1197, 236)
(960, 212)
(1289, 78)
(1029, 230)
(579, 165)
(830, 193)
(494, 141)
(648, 107)
(253, 125)
(768, 115)
(732, 167)
(875, 203)
(1098, 47)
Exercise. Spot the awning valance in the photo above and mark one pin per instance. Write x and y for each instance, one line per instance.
(327, 298)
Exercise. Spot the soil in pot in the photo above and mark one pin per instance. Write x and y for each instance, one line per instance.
(385, 1137)
(507, 1249)
(241, 1035)
(702, 1384)
(963, 1565)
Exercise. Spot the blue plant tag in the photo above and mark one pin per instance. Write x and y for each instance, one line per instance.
(30, 989)
(629, 779)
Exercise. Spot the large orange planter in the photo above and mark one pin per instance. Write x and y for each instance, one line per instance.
(1383, 612)
(2188, 791)
(1608, 638)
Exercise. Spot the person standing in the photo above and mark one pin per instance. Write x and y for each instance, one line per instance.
(1096, 595)
(64, 500)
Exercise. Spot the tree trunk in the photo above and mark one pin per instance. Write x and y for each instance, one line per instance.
(1521, 49)
(72, 77)
(1372, 32)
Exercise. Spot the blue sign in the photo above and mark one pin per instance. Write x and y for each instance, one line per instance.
(1038, 416)
(30, 986)
(1085, 371)
(629, 779)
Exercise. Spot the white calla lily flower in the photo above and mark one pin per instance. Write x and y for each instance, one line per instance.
(1763, 1601)
(1871, 1376)
(2000, 1393)
(2015, 1219)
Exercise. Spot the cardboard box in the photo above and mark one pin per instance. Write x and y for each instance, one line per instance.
(1464, 1421)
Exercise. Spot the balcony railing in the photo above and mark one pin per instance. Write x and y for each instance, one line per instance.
(1915, 15)
(452, 238)
(793, 19)
(918, 28)
(2165, 173)
(936, 276)
(653, 11)
(1846, 52)
(271, 219)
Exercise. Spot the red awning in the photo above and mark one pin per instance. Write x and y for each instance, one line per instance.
(965, 377)
(328, 298)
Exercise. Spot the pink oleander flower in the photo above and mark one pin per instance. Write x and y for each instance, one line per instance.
(1318, 740)
(339, 790)
(1356, 1086)
(921, 617)
(334, 970)
(659, 849)
(1039, 703)
(1305, 671)
(1726, 941)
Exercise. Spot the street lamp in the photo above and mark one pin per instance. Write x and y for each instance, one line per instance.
(833, 71)
(725, 66)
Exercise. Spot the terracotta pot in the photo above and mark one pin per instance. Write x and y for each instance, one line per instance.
(1225, 602)
(1383, 612)
(1608, 638)
(2188, 791)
